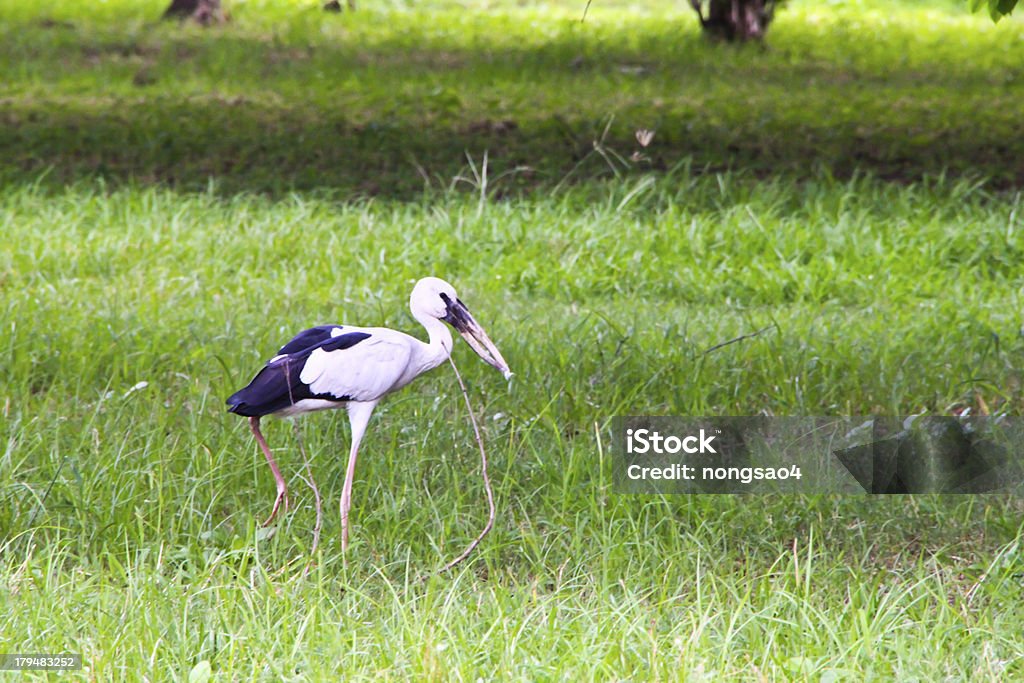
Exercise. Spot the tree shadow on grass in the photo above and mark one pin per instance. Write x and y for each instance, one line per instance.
(240, 114)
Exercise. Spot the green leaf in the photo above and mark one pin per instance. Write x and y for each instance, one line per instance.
(201, 672)
(997, 9)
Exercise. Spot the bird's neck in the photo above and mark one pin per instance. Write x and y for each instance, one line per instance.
(439, 348)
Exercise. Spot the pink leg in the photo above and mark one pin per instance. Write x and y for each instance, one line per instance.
(358, 417)
(282, 489)
(346, 500)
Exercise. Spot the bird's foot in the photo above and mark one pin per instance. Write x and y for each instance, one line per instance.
(282, 496)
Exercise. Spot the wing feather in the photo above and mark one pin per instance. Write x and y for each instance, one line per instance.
(280, 383)
(364, 372)
(308, 339)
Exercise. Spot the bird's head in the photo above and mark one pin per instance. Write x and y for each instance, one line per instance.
(433, 297)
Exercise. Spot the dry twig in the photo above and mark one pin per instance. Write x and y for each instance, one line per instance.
(483, 468)
(311, 483)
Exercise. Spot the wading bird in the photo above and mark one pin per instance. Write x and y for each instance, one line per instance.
(339, 366)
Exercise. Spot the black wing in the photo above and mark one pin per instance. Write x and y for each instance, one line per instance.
(278, 384)
(308, 339)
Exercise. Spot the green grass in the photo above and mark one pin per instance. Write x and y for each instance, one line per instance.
(146, 242)
(386, 100)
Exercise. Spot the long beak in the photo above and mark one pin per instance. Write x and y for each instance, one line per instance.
(459, 317)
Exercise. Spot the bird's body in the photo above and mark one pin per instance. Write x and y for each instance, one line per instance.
(329, 366)
(335, 366)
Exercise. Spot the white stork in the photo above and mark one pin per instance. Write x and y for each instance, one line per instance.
(339, 366)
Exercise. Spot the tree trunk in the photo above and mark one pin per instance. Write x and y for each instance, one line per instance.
(205, 12)
(735, 20)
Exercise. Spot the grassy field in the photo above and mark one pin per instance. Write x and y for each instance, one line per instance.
(391, 99)
(176, 202)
